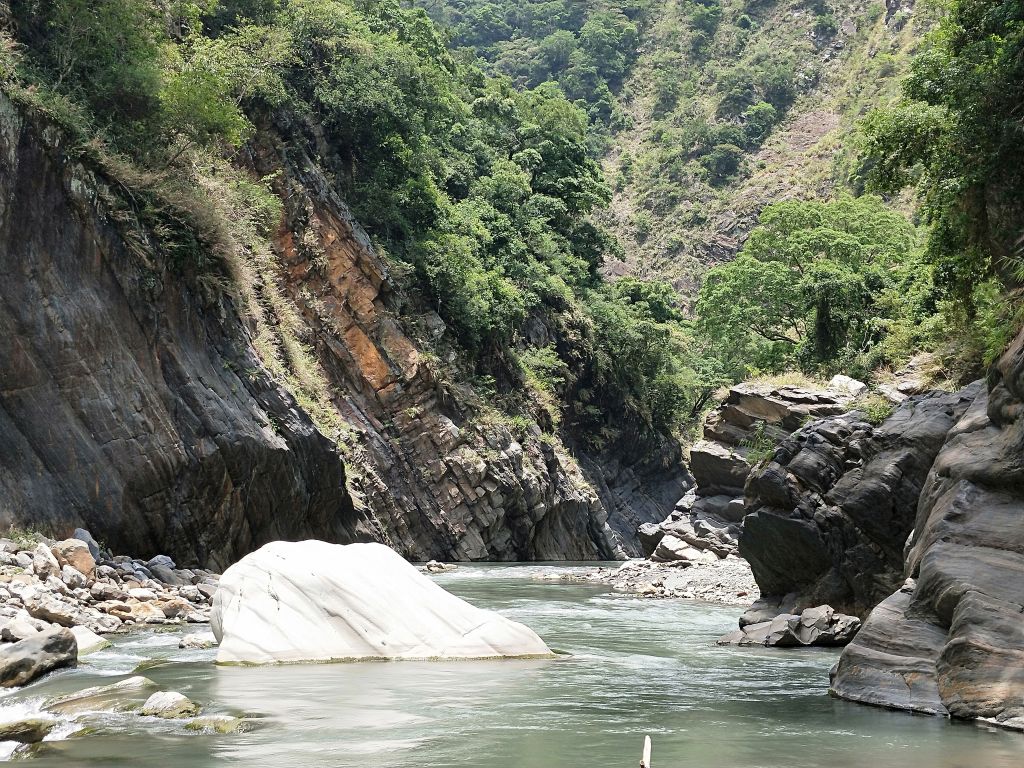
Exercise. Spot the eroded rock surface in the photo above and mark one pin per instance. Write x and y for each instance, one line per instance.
(829, 514)
(951, 641)
(820, 626)
(313, 601)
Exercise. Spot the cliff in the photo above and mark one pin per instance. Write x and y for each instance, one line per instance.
(951, 640)
(829, 513)
(136, 402)
(132, 402)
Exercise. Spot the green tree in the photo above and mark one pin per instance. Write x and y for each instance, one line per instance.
(805, 288)
(956, 134)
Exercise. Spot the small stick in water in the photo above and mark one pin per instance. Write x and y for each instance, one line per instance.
(645, 761)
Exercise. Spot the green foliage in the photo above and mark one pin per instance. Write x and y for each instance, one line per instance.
(875, 408)
(583, 45)
(816, 285)
(760, 447)
(956, 135)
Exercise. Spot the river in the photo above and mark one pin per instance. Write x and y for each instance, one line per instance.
(632, 667)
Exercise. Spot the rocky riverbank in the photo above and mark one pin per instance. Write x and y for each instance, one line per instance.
(728, 581)
(48, 585)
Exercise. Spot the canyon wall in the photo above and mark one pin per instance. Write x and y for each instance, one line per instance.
(133, 401)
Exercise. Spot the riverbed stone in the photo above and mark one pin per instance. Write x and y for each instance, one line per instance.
(121, 696)
(169, 705)
(28, 731)
(75, 553)
(198, 640)
(818, 626)
(88, 641)
(24, 661)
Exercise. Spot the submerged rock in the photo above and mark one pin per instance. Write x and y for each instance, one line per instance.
(117, 697)
(820, 626)
(217, 724)
(313, 601)
(24, 661)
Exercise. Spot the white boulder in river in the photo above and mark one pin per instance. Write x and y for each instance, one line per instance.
(313, 601)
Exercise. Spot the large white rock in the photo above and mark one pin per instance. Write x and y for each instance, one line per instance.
(313, 601)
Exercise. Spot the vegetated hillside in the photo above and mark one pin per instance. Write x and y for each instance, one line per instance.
(450, 335)
(735, 105)
(707, 110)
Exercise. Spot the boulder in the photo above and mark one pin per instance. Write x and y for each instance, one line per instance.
(17, 628)
(313, 601)
(717, 468)
(24, 661)
(88, 641)
(27, 731)
(672, 548)
(83, 535)
(44, 564)
(196, 641)
(650, 535)
(72, 577)
(847, 385)
(819, 626)
(75, 553)
(169, 705)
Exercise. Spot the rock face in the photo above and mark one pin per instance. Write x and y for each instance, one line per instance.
(830, 512)
(445, 484)
(24, 661)
(751, 420)
(820, 626)
(952, 639)
(133, 401)
(313, 601)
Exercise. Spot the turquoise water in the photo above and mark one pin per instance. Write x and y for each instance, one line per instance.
(634, 667)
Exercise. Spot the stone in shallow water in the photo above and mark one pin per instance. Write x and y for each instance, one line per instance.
(27, 731)
(117, 697)
(815, 626)
(88, 641)
(313, 601)
(24, 661)
(217, 724)
(169, 705)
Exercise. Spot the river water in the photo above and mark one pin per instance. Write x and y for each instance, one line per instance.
(633, 667)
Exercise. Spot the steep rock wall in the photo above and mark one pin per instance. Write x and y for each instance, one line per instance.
(829, 514)
(444, 481)
(951, 641)
(131, 401)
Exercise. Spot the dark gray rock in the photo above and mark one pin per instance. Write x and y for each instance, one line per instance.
(83, 535)
(718, 469)
(24, 661)
(828, 516)
(820, 626)
(957, 632)
(650, 534)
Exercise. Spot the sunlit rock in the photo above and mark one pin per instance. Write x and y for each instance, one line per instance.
(313, 601)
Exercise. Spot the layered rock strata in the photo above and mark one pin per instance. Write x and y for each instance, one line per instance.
(830, 512)
(951, 640)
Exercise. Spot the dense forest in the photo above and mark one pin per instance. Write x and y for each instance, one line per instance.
(474, 140)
